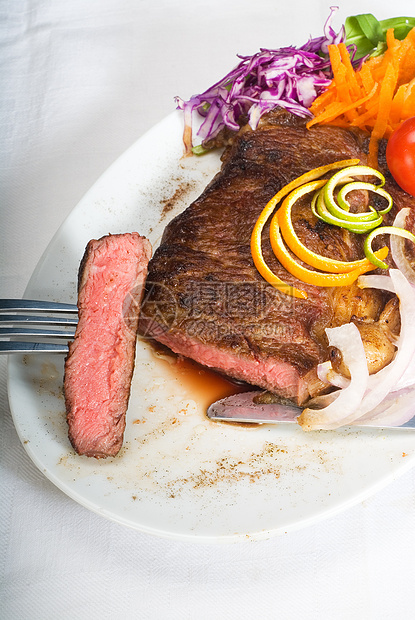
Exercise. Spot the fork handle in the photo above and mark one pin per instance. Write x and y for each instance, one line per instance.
(35, 305)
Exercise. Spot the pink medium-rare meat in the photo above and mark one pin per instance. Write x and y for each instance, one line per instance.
(100, 363)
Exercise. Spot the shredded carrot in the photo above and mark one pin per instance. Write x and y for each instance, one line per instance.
(407, 69)
(397, 106)
(377, 98)
(367, 79)
(386, 92)
(409, 102)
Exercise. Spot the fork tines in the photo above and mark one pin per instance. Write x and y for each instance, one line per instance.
(41, 336)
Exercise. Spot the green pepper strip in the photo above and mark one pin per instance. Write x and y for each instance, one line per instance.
(342, 211)
(345, 206)
(365, 171)
(319, 208)
(391, 230)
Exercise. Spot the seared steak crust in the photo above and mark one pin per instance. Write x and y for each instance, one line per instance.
(204, 297)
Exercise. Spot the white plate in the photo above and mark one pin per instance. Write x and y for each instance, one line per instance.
(179, 474)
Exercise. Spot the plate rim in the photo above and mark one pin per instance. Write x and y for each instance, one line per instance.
(405, 465)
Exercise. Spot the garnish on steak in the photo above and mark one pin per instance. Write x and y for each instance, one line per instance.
(100, 362)
(206, 300)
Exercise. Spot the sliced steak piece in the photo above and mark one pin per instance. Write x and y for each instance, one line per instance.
(204, 297)
(100, 362)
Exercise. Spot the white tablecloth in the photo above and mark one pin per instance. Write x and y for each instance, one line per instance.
(80, 82)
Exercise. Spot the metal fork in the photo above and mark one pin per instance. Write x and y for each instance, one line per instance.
(38, 328)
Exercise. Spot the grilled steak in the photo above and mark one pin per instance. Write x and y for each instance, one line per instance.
(100, 362)
(204, 297)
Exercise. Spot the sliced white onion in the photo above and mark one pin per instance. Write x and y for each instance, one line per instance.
(342, 410)
(396, 409)
(382, 282)
(408, 377)
(398, 247)
(383, 382)
(328, 375)
(382, 398)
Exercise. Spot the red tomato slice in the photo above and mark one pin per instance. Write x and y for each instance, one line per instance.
(400, 155)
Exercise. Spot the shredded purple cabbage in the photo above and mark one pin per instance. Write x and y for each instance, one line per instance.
(289, 77)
